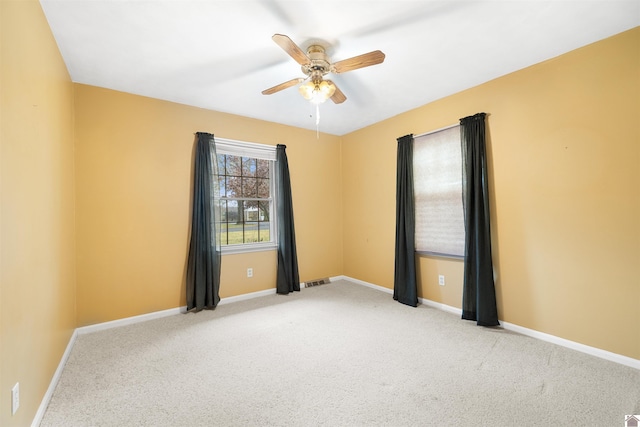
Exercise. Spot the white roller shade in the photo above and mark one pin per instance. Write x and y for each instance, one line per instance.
(437, 175)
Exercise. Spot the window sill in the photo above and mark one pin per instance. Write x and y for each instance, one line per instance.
(241, 249)
(439, 255)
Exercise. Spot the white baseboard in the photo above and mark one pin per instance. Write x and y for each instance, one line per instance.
(54, 381)
(367, 284)
(244, 297)
(165, 313)
(129, 320)
(441, 306)
(593, 351)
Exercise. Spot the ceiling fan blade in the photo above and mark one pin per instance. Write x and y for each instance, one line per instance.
(282, 86)
(360, 61)
(337, 97)
(291, 48)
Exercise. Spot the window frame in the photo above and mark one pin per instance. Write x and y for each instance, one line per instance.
(252, 150)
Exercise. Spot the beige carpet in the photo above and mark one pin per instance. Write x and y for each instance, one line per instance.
(339, 354)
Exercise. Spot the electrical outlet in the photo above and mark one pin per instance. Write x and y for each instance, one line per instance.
(15, 398)
(441, 280)
(249, 272)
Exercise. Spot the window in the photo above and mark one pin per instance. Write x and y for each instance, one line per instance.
(246, 185)
(437, 176)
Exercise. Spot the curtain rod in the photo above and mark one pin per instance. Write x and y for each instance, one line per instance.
(437, 130)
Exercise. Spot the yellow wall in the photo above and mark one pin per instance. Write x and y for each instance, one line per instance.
(37, 262)
(134, 159)
(564, 146)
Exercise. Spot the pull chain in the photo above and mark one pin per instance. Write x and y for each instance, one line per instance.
(317, 121)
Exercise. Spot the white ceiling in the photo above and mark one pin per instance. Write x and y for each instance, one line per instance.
(218, 54)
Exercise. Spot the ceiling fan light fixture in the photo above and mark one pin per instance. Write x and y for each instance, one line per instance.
(317, 92)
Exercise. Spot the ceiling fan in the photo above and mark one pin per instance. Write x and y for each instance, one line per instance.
(315, 65)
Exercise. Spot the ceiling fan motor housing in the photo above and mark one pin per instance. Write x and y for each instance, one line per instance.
(319, 64)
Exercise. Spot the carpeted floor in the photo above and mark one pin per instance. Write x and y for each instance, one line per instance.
(339, 354)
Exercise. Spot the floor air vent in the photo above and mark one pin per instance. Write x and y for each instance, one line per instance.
(316, 282)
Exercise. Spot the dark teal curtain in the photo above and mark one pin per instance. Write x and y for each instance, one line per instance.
(204, 260)
(479, 295)
(288, 279)
(404, 282)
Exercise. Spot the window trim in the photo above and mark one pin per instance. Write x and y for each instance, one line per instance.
(257, 151)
